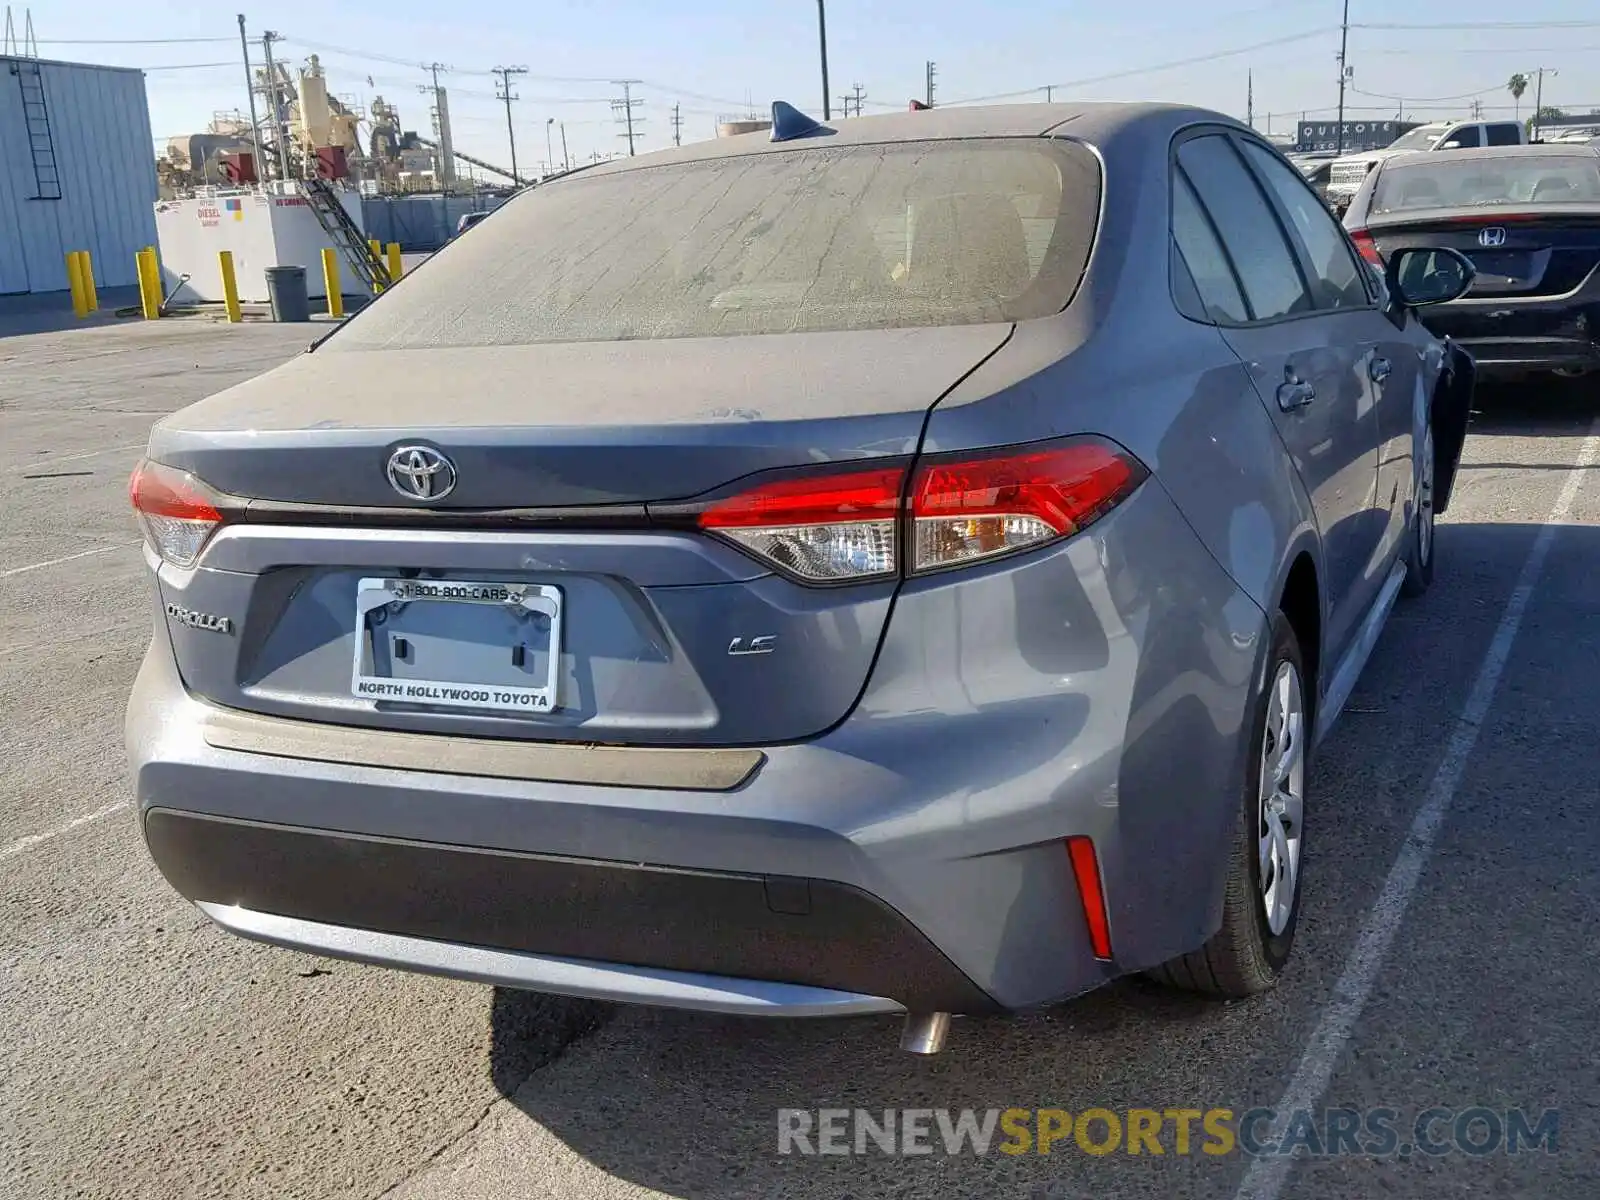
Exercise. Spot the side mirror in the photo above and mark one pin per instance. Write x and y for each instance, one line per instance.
(1422, 276)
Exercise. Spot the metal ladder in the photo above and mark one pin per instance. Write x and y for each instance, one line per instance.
(336, 223)
(36, 120)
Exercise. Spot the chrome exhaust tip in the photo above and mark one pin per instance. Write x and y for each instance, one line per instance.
(925, 1032)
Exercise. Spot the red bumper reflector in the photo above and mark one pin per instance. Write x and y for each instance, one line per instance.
(1086, 869)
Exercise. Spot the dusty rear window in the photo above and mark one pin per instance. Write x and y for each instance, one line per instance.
(859, 237)
(1467, 183)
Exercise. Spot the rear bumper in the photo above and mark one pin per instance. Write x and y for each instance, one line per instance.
(912, 857)
(818, 935)
(1514, 336)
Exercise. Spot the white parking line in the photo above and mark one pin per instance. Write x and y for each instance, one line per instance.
(33, 839)
(50, 562)
(1266, 1176)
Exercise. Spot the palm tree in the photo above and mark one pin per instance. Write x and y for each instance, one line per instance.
(1517, 85)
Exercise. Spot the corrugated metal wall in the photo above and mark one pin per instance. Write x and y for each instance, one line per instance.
(419, 222)
(105, 159)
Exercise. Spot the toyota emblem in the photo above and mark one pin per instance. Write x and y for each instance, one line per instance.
(421, 473)
(1492, 236)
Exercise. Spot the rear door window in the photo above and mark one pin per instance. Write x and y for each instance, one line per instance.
(1247, 226)
(1504, 135)
(1337, 277)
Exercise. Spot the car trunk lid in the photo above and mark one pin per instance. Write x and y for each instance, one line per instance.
(538, 599)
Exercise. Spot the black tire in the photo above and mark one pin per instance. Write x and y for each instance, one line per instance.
(1421, 542)
(1244, 957)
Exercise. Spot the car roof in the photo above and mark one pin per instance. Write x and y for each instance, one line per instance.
(1537, 150)
(1092, 123)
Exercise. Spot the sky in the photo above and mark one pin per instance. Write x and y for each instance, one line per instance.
(717, 57)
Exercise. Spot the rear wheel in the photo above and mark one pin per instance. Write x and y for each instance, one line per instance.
(1261, 903)
(1419, 541)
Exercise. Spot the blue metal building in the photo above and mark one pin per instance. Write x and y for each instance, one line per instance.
(77, 172)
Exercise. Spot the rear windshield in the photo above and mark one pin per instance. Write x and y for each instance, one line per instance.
(1467, 183)
(1419, 139)
(843, 238)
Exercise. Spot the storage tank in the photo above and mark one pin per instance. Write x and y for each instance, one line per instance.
(315, 127)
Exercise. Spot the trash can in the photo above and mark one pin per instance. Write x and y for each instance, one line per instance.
(286, 291)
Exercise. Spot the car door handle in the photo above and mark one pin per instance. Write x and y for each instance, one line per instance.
(1379, 369)
(1295, 393)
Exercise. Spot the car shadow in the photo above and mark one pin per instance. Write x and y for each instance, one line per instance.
(689, 1104)
(51, 312)
(1551, 407)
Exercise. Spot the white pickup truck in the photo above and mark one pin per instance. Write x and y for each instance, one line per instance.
(1347, 172)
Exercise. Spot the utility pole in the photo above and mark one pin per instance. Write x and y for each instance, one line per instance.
(624, 109)
(1250, 99)
(441, 121)
(1538, 98)
(566, 161)
(822, 40)
(549, 154)
(279, 133)
(1049, 93)
(1344, 71)
(503, 92)
(860, 95)
(677, 127)
(844, 104)
(931, 74)
(250, 90)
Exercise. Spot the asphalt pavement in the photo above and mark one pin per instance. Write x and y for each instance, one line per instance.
(1445, 967)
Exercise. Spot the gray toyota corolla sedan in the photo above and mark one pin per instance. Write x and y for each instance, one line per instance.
(894, 568)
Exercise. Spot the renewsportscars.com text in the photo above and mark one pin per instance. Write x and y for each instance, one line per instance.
(1258, 1132)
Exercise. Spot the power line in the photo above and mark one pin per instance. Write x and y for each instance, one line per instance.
(193, 41)
(1196, 60)
(1436, 25)
(189, 66)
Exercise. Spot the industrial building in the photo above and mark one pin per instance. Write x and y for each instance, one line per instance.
(75, 172)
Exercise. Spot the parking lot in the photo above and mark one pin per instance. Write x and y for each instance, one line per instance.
(1446, 955)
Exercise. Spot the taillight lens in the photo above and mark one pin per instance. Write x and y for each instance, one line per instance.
(176, 511)
(1366, 246)
(839, 528)
(969, 509)
(823, 529)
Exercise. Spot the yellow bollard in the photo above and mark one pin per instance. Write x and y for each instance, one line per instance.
(377, 257)
(88, 280)
(394, 262)
(80, 299)
(230, 286)
(330, 279)
(149, 272)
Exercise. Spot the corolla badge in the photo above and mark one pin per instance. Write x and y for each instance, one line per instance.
(421, 473)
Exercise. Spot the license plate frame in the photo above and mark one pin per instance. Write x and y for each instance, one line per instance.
(521, 598)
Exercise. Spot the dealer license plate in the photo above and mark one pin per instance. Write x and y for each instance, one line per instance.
(451, 643)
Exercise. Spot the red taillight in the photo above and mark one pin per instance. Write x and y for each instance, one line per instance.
(976, 508)
(1086, 870)
(825, 528)
(175, 509)
(843, 527)
(1366, 246)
